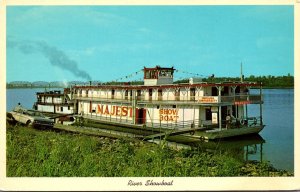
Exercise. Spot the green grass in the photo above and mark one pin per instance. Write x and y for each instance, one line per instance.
(36, 153)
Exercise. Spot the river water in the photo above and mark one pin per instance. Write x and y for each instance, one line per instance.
(275, 143)
(278, 116)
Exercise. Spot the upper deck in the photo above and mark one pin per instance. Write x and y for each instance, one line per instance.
(226, 93)
(159, 89)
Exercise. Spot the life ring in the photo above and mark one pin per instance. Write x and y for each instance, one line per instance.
(255, 121)
(192, 132)
(242, 121)
(202, 138)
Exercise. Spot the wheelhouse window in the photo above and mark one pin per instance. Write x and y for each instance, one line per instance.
(165, 73)
(150, 74)
(39, 99)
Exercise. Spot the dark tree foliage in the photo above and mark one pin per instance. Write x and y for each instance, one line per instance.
(268, 81)
(273, 81)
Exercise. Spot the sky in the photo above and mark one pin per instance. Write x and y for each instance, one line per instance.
(106, 43)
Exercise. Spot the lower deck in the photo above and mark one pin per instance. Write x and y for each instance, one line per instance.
(184, 129)
(164, 115)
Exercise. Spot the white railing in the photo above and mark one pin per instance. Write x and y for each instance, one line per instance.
(238, 99)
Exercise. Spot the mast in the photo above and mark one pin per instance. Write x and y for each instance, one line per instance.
(260, 104)
(242, 76)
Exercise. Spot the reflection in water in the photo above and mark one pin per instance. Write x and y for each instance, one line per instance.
(245, 148)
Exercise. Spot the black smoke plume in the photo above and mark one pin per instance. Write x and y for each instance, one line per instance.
(55, 56)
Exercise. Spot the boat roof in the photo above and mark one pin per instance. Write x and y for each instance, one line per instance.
(174, 86)
(54, 92)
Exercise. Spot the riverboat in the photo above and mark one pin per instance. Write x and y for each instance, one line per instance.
(54, 101)
(202, 110)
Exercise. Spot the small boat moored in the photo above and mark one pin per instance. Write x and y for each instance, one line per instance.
(29, 118)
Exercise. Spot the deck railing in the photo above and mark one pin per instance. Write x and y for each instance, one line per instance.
(173, 125)
(155, 123)
(237, 99)
(241, 98)
(242, 122)
(51, 103)
(196, 123)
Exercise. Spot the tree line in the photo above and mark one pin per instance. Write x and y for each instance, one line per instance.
(274, 81)
(268, 81)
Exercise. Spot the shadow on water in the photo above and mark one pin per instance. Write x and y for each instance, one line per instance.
(244, 148)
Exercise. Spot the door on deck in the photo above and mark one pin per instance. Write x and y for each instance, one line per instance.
(90, 107)
(150, 94)
(126, 94)
(225, 91)
(214, 91)
(112, 93)
(131, 95)
(235, 111)
(139, 95)
(140, 116)
(192, 94)
(223, 114)
(159, 95)
(76, 108)
(177, 94)
(208, 114)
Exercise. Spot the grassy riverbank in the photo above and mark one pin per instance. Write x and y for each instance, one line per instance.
(34, 153)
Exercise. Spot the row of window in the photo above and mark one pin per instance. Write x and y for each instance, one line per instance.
(177, 93)
(51, 100)
(62, 109)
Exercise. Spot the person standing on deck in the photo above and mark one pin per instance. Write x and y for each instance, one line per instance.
(228, 121)
(18, 107)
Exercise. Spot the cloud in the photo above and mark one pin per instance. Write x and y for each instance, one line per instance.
(144, 30)
(274, 14)
(64, 15)
(271, 42)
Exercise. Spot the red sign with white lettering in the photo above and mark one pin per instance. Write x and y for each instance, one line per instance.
(242, 102)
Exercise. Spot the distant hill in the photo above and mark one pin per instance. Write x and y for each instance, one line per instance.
(268, 82)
